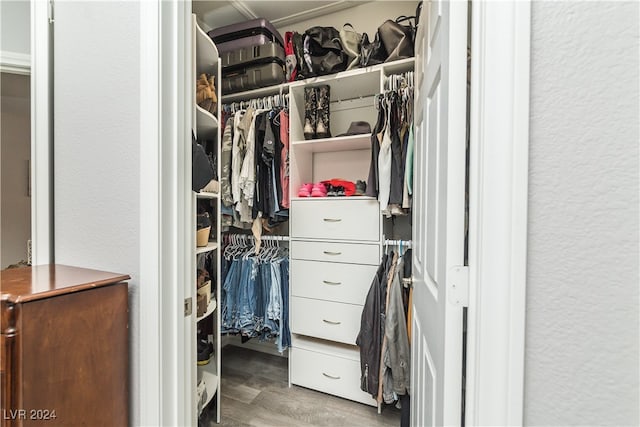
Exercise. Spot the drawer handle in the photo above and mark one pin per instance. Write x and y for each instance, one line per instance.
(330, 376)
(332, 219)
(331, 322)
(326, 282)
(332, 253)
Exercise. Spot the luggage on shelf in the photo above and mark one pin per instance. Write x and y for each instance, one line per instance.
(253, 77)
(256, 32)
(252, 55)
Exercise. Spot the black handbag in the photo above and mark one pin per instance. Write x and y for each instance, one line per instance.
(372, 53)
(323, 52)
(201, 167)
(397, 39)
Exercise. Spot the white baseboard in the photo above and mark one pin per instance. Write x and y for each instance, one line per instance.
(268, 347)
(15, 63)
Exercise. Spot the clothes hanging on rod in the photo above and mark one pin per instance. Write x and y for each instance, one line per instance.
(391, 169)
(255, 164)
(255, 290)
(383, 337)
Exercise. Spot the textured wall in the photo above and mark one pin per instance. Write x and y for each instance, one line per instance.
(582, 290)
(15, 24)
(15, 222)
(96, 145)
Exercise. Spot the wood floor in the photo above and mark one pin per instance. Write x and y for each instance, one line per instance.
(255, 392)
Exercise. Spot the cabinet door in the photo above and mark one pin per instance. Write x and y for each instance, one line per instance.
(75, 358)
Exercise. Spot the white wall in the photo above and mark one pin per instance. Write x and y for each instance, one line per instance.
(582, 288)
(15, 26)
(365, 18)
(15, 222)
(96, 146)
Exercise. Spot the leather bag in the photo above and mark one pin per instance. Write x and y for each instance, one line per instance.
(351, 41)
(372, 53)
(323, 52)
(201, 168)
(398, 40)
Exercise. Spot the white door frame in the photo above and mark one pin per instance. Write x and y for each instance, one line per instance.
(41, 135)
(498, 196)
(497, 222)
(167, 225)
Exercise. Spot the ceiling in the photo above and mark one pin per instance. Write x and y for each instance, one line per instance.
(218, 13)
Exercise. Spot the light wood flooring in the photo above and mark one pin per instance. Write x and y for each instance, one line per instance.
(255, 392)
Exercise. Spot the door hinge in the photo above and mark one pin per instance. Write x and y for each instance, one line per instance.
(51, 20)
(458, 286)
(188, 309)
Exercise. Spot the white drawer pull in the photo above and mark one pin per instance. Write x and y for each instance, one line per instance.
(331, 322)
(330, 376)
(326, 282)
(332, 253)
(332, 219)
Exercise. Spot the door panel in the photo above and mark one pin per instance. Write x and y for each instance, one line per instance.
(439, 194)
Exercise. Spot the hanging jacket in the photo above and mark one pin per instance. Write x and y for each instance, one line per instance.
(396, 175)
(225, 158)
(372, 180)
(397, 356)
(370, 336)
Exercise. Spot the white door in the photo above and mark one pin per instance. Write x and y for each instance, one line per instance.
(439, 203)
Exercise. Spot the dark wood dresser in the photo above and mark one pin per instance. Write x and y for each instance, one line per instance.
(64, 347)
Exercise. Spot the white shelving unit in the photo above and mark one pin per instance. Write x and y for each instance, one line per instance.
(206, 195)
(339, 239)
(205, 59)
(209, 374)
(213, 304)
(212, 246)
(329, 361)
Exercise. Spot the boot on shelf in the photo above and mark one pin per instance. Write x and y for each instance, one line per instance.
(310, 108)
(323, 126)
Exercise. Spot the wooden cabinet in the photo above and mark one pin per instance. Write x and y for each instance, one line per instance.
(64, 357)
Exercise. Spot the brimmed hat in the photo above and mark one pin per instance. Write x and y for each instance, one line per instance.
(357, 128)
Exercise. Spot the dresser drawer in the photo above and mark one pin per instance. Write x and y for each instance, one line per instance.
(325, 319)
(348, 283)
(328, 373)
(350, 253)
(336, 219)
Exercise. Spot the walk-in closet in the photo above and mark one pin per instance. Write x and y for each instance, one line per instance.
(303, 213)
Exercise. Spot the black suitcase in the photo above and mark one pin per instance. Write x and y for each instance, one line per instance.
(251, 55)
(245, 34)
(253, 77)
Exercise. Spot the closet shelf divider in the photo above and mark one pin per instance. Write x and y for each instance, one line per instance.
(338, 143)
(212, 246)
(213, 304)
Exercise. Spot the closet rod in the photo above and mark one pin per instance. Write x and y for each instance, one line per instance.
(267, 237)
(406, 243)
(272, 101)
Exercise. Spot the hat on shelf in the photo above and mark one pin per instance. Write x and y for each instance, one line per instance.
(357, 128)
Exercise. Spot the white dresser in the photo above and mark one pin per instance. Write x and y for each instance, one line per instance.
(335, 242)
(335, 251)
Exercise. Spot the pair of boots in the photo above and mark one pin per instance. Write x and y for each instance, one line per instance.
(316, 112)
